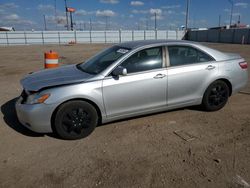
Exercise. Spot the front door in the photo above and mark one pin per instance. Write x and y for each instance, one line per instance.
(143, 88)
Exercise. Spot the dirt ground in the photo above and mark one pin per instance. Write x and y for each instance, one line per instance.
(139, 152)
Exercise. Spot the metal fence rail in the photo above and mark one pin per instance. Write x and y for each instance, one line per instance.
(65, 37)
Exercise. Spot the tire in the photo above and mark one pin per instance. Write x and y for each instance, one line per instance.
(216, 96)
(75, 120)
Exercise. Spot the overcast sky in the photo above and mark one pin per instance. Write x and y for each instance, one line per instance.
(120, 14)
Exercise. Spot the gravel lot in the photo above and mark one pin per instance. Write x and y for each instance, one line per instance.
(139, 152)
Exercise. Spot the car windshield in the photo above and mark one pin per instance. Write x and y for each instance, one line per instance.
(101, 61)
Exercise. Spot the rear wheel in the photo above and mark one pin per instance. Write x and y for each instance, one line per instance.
(216, 96)
(75, 120)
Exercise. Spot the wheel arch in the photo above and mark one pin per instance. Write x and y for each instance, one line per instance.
(229, 84)
(52, 120)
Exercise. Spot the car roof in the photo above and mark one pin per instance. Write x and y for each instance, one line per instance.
(141, 43)
(217, 55)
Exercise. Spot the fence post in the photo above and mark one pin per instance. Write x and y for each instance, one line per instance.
(42, 38)
(144, 35)
(248, 38)
(243, 39)
(7, 39)
(155, 34)
(75, 36)
(90, 36)
(59, 38)
(219, 34)
(176, 33)
(166, 34)
(207, 35)
(132, 35)
(25, 37)
(120, 36)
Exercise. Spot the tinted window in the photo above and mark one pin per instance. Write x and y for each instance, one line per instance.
(144, 60)
(182, 55)
(101, 61)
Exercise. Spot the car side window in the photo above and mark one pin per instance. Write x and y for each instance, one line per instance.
(184, 55)
(144, 60)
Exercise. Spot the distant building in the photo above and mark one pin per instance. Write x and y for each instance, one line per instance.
(7, 29)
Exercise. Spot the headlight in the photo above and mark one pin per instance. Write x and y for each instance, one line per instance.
(37, 98)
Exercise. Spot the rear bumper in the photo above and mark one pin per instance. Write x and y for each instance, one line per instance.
(36, 117)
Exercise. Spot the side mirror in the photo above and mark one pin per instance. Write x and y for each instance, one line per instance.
(119, 71)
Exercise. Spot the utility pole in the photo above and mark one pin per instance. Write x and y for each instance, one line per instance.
(187, 15)
(232, 10)
(90, 24)
(80, 26)
(84, 26)
(55, 15)
(45, 24)
(239, 20)
(219, 20)
(106, 23)
(155, 21)
(66, 9)
(71, 21)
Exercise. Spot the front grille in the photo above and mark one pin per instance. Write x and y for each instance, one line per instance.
(24, 96)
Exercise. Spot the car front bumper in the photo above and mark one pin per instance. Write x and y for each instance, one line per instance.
(36, 117)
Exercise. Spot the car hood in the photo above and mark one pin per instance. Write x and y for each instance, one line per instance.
(54, 77)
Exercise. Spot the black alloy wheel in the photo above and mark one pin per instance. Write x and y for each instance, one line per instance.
(216, 96)
(75, 120)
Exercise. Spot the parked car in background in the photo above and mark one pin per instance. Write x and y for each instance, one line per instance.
(126, 80)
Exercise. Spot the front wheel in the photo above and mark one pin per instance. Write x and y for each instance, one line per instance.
(216, 96)
(75, 120)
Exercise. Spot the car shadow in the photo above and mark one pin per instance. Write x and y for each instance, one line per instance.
(10, 118)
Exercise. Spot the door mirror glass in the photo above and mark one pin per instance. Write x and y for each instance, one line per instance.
(119, 71)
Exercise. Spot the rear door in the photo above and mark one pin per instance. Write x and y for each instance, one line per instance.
(189, 73)
(143, 88)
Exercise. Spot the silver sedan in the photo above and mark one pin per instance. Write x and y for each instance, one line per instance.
(126, 80)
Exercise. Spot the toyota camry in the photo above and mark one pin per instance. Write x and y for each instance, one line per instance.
(127, 80)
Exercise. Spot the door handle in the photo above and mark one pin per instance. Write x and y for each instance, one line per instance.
(159, 76)
(210, 67)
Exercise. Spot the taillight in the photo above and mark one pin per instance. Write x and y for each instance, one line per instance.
(243, 65)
